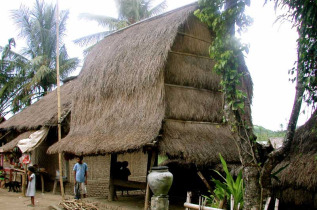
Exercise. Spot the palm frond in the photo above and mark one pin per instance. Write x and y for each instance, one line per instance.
(104, 21)
(91, 39)
(157, 9)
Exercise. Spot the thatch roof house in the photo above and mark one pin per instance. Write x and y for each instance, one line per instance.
(297, 188)
(41, 113)
(152, 82)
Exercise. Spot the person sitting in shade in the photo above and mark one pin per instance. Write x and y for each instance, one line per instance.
(124, 174)
(80, 178)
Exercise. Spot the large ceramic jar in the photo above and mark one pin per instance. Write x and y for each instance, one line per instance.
(160, 180)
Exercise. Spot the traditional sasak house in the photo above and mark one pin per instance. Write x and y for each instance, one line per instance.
(297, 185)
(40, 115)
(150, 88)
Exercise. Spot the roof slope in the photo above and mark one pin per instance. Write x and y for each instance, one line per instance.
(302, 169)
(13, 143)
(126, 68)
(43, 112)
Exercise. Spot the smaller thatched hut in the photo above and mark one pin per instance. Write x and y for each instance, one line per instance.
(42, 113)
(297, 188)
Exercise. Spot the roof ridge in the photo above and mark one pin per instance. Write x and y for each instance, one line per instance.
(151, 18)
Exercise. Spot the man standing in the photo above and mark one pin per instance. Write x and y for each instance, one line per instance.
(80, 178)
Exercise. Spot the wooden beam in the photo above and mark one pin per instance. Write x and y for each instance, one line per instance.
(192, 55)
(194, 122)
(129, 184)
(194, 37)
(192, 88)
(204, 180)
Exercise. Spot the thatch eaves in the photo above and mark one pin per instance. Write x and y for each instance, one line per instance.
(8, 147)
(43, 112)
(302, 169)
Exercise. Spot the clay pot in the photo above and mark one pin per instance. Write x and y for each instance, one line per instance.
(160, 180)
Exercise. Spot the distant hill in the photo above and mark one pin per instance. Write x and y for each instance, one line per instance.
(264, 134)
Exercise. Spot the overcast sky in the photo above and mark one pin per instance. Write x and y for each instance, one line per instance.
(272, 51)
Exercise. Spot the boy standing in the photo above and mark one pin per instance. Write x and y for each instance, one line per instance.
(80, 177)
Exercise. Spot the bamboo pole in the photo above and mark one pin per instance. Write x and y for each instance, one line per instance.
(267, 203)
(276, 204)
(59, 100)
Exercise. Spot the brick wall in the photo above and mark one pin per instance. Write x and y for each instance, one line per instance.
(98, 176)
(137, 165)
(99, 172)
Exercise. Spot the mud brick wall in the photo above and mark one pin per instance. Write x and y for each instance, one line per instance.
(98, 176)
(137, 165)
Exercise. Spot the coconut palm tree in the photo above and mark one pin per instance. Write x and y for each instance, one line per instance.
(37, 75)
(10, 80)
(130, 12)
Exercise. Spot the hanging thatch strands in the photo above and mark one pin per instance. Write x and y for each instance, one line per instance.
(189, 54)
(209, 141)
(194, 37)
(194, 122)
(192, 88)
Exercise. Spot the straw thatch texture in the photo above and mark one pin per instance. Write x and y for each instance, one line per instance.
(200, 143)
(193, 43)
(42, 112)
(120, 104)
(10, 145)
(191, 71)
(302, 169)
(192, 104)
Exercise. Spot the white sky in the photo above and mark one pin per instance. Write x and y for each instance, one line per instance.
(272, 51)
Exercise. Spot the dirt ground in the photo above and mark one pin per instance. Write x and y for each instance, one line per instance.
(14, 201)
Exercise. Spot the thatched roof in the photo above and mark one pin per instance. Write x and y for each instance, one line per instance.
(126, 68)
(41, 113)
(13, 143)
(302, 169)
(137, 79)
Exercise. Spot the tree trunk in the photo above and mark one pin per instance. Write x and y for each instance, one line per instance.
(246, 147)
(277, 156)
(251, 170)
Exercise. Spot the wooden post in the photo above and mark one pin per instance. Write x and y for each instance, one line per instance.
(152, 160)
(42, 182)
(112, 190)
(59, 101)
(24, 180)
(188, 198)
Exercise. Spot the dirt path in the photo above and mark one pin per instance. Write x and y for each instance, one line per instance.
(15, 201)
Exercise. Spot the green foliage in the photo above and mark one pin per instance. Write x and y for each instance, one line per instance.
(228, 186)
(33, 72)
(226, 49)
(130, 12)
(264, 134)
